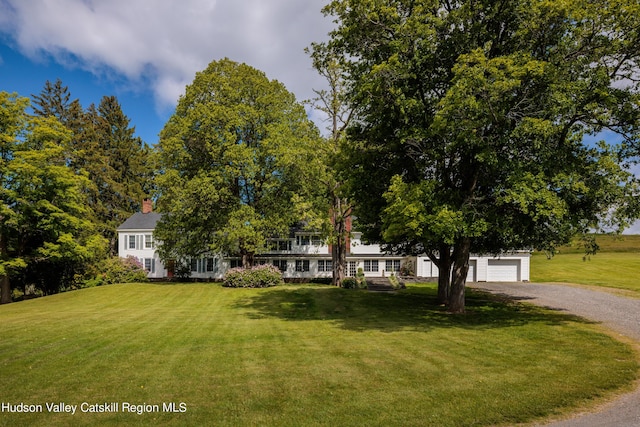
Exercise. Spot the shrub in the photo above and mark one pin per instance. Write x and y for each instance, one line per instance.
(261, 276)
(119, 270)
(349, 283)
(360, 280)
(357, 282)
(406, 269)
(395, 282)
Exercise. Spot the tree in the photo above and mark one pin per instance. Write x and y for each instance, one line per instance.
(234, 160)
(331, 102)
(44, 234)
(103, 145)
(471, 120)
(54, 101)
(123, 178)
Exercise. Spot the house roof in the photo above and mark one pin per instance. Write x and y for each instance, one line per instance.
(140, 221)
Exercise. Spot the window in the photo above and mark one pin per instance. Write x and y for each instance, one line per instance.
(392, 265)
(150, 265)
(284, 245)
(212, 264)
(316, 241)
(325, 265)
(371, 265)
(280, 264)
(148, 241)
(132, 242)
(303, 240)
(302, 265)
(235, 263)
(194, 265)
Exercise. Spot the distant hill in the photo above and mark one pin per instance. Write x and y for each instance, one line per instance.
(629, 243)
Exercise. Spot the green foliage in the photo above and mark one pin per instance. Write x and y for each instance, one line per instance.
(358, 282)
(349, 283)
(119, 270)
(395, 282)
(471, 120)
(45, 235)
(361, 281)
(234, 161)
(102, 147)
(260, 276)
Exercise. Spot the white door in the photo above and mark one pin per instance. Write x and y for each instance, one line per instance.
(503, 270)
(351, 269)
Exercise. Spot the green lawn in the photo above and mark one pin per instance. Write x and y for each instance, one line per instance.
(607, 269)
(299, 356)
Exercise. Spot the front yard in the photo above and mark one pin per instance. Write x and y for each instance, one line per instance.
(298, 355)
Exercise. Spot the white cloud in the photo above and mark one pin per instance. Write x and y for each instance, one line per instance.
(166, 42)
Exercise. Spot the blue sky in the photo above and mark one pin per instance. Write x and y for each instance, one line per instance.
(146, 51)
(27, 77)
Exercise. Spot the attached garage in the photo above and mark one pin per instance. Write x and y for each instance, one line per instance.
(507, 267)
(503, 270)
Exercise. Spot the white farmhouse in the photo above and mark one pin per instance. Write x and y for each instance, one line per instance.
(135, 238)
(303, 255)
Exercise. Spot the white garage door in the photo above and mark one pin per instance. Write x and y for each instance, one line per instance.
(471, 274)
(428, 269)
(503, 270)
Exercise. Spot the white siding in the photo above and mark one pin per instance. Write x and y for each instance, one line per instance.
(146, 256)
(485, 268)
(471, 274)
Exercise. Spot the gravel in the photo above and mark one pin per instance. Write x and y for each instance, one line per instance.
(620, 315)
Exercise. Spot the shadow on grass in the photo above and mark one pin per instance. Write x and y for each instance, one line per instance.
(413, 308)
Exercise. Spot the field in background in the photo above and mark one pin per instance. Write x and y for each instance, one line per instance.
(616, 265)
(299, 355)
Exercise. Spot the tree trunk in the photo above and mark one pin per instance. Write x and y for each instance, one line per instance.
(339, 261)
(113, 246)
(5, 285)
(339, 219)
(247, 260)
(459, 275)
(444, 274)
(5, 289)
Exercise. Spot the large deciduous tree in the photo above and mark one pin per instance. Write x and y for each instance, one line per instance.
(234, 160)
(45, 236)
(472, 116)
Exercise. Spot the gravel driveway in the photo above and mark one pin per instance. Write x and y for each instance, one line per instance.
(619, 314)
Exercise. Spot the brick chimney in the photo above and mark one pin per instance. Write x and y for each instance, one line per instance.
(147, 206)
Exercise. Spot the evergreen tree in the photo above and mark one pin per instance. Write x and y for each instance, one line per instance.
(123, 178)
(104, 146)
(53, 101)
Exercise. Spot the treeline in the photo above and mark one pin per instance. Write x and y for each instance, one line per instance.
(69, 176)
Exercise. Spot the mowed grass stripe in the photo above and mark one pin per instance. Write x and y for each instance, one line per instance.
(620, 270)
(300, 355)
